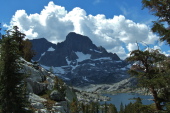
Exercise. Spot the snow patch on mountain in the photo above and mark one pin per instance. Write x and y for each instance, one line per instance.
(41, 56)
(119, 61)
(82, 56)
(95, 51)
(85, 78)
(92, 64)
(103, 58)
(129, 66)
(74, 67)
(56, 70)
(123, 69)
(68, 62)
(51, 49)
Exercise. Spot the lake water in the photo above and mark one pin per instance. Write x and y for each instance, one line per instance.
(126, 98)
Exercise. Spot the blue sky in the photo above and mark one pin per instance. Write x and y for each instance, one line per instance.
(114, 24)
(131, 9)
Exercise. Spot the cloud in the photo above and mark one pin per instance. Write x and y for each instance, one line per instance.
(120, 51)
(55, 22)
(132, 46)
(97, 1)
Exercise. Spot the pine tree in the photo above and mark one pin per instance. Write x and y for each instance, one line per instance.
(112, 109)
(121, 108)
(51, 69)
(105, 107)
(28, 53)
(160, 9)
(74, 108)
(60, 86)
(150, 72)
(18, 37)
(24, 46)
(12, 86)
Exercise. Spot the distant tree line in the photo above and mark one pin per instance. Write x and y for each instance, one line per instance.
(95, 107)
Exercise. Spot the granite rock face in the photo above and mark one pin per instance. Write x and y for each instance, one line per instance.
(39, 83)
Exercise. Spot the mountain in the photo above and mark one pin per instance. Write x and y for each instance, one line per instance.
(80, 62)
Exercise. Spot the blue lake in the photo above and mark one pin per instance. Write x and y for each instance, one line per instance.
(126, 98)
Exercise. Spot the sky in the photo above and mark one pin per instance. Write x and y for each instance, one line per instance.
(114, 24)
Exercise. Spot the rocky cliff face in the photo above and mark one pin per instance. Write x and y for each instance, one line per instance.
(43, 95)
(79, 62)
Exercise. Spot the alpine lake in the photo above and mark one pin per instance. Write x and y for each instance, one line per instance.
(126, 98)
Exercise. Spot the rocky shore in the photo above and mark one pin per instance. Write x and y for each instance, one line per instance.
(88, 97)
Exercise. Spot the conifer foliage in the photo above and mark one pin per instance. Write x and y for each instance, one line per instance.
(24, 46)
(160, 9)
(151, 69)
(12, 86)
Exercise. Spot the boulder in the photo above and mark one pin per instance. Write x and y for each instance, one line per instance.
(37, 105)
(35, 98)
(35, 87)
(50, 84)
(42, 111)
(57, 96)
(60, 109)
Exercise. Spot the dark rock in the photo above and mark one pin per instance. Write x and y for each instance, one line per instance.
(100, 66)
(57, 96)
(40, 46)
(66, 49)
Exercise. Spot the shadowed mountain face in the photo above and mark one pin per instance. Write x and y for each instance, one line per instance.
(78, 61)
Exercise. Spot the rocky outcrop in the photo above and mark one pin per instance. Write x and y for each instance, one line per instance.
(122, 86)
(57, 96)
(41, 105)
(39, 83)
(88, 97)
(38, 79)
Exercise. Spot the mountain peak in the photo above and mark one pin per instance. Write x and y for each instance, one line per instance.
(73, 37)
(77, 42)
(78, 61)
(69, 50)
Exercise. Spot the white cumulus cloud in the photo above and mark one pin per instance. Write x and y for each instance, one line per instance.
(55, 22)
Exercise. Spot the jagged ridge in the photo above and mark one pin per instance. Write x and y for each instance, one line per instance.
(78, 61)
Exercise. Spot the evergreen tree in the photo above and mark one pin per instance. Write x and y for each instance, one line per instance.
(97, 107)
(51, 69)
(161, 9)
(60, 86)
(112, 109)
(138, 107)
(12, 86)
(105, 107)
(74, 108)
(28, 53)
(121, 108)
(24, 46)
(151, 72)
(18, 37)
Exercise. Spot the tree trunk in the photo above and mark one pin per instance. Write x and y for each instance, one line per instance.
(156, 99)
